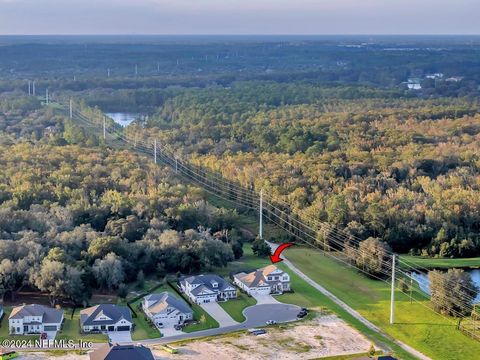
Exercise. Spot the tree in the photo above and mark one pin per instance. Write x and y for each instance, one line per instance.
(453, 292)
(108, 271)
(373, 257)
(261, 248)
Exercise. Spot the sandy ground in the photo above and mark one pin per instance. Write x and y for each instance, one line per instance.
(323, 336)
(320, 337)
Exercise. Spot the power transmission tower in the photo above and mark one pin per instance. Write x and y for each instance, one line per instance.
(260, 229)
(155, 151)
(392, 298)
(104, 128)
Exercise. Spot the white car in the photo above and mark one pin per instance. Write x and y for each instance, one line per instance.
(271, 322)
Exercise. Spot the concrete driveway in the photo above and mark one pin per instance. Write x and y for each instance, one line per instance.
(266, 299)
(51, 335)
(217, 312)
(120, 337)
(170, 331)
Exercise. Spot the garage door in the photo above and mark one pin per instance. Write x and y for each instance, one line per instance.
(50, 328)
(123, 328)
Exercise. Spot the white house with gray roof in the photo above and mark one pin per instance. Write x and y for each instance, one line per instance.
(207, 288)
(106, 317)
(166, 310)
(34, 319)
(264, 281)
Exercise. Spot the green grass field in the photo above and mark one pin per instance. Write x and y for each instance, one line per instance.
(431, 263)
(415, 324)
(236, 306)
(204, 320)
(306, 296)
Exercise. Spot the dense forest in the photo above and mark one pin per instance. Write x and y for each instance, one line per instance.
(74, 218)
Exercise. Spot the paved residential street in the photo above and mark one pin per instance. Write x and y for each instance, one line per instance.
(217, 312)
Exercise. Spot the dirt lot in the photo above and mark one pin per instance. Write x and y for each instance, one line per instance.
(323, 336)
(320, 337)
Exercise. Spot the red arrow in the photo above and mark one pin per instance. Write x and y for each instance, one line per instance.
(276, 255)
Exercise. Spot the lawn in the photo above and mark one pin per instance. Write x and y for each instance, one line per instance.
(435, 263)
(203, 320)
(236, 306)
(415, 324)
(71, 329)
(306, 296)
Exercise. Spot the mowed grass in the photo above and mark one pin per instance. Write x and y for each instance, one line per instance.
(71, 329)
(236, 306)
(415, 324)
(305, 295)
(203, 320)
(429, 263)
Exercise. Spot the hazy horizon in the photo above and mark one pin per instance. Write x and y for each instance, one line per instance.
(235, 17)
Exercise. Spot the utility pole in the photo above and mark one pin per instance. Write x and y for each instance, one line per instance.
(104, 128)
(46, 96)
(176, 165)
(155, 151)
(33, 87)
(158, 67)
(392, 299)
(260, 230)
(29, 88)
(136, 70)
(108, 72)
(71, 108)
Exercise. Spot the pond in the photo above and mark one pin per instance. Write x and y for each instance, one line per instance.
(122, 118)
(423, 282)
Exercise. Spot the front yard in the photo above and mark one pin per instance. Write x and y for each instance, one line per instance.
(236, 306)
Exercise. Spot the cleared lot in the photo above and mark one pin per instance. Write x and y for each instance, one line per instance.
(320, 337)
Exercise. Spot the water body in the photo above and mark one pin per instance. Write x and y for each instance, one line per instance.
(423, 282)
(123, 119)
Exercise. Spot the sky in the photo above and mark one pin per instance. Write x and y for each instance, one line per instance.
(294, 17)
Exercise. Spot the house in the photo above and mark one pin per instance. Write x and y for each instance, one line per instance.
(165, 309)
(122, 352)
(264, 281)
(207, 288)
(34, 319)
(106, 317)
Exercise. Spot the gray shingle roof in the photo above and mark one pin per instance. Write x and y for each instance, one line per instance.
(49, 315)
(168, 299)
(122, 352)
(207, 280)
(114, 312)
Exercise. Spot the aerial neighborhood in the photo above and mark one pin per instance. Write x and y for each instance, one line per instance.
(163, 309)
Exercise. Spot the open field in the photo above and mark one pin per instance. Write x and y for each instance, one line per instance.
(415, 324)
(432, 263)
(322, 336)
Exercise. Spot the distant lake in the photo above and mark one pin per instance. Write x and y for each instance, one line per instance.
(123, 119)
(423, 282)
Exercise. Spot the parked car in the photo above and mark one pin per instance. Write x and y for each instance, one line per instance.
(178, 327)
(271, 322)
(302, 314)
(257, 331)
(304, 309)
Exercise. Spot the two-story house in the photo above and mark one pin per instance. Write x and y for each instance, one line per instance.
(207, 288)
(264, 281)
(34, 319)
(166, 310)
